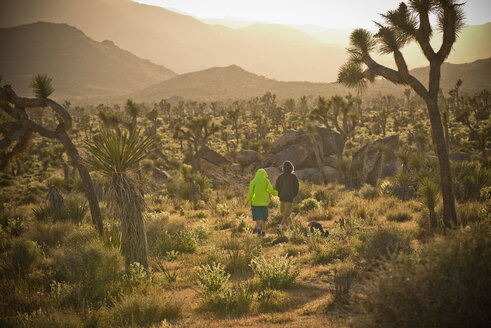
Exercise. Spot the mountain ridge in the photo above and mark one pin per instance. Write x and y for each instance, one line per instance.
(234, 82)
(78, 64)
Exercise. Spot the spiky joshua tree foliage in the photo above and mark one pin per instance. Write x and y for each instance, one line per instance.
(116, 156)
(411, 22)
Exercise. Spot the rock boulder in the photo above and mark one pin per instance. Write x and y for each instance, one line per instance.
(246, 157)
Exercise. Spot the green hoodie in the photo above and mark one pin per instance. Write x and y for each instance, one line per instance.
(260, 188)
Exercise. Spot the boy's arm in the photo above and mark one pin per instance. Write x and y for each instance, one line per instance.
(296, 187)
(251, 192)
(271, 190)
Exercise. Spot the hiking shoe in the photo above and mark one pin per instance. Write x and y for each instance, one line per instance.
(259, 232)
(263, 233)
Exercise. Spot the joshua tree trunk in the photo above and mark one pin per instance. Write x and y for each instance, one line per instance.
(133, 237)
(449, 213)
(90, 193)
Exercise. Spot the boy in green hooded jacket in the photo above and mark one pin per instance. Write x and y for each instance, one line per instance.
(259, 190)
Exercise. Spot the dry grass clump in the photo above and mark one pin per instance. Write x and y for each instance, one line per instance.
(450, 275)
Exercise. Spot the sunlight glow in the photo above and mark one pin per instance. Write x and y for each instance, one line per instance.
(325, 13)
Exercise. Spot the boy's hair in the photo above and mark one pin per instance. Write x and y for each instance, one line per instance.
(288, 167)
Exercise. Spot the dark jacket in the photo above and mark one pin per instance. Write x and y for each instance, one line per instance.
(287, 186)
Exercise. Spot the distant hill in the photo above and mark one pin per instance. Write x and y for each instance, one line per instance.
(183, 43)
(233, 82)
(79, 65)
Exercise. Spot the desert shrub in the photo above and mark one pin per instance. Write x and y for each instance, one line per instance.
(271, 300)
(472, 212)
(468, 179)
(320, 195)
(450, 275)
(15, 226)
(47, 235)
(238, 254)
(23, 256)
(75, 210)
(241, 221)
(235, 300)
(222, 210)
(156, 230)
(334, 251)
(485, 193)
(201, 230)
(275, 273)
(144, 309)
(183, 242)
(92, 268)
(274, 202)
(399, 216)
(344, 275)
(368, 192)
(112, 234)
(381, 243)
(212, 278)
(52, 318)
(136, 275)
(308, 204)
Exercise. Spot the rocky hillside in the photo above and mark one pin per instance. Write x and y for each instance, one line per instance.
(79, 65)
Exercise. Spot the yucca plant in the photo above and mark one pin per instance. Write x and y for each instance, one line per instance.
(116, 156)
(41, 86)
(429, 194)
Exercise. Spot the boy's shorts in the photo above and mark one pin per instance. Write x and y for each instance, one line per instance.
(286, 208)
(259, 213)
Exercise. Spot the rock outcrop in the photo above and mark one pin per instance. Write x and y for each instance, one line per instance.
(378, 157)
(460, 157)
(246, 157)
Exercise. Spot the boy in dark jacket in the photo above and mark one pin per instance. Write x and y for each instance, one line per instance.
(287, 186)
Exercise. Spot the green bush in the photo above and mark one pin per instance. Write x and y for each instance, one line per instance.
(144, 309)
(48, 235)
(92, 268)
(469, 179)
(447, 285)
(274, 272)
(308, 204)
(237, 300)
(368, 192)
(183, 242)
(212, 279)
(23, 256)
(381, 243)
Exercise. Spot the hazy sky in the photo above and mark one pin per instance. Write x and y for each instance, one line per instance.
(327, 13)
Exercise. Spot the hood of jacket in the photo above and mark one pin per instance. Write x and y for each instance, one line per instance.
(261, 174)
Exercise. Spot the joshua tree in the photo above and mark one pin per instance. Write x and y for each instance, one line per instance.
(133, 110)
(339, 113)
(474, 115)
(402, 25)
(152, 116)
(116, 156)
(233, 115)
(196, 130)
(19, 131)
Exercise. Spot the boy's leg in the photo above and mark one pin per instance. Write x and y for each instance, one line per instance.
(286, 210)
(263, 227)
(258, 226)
